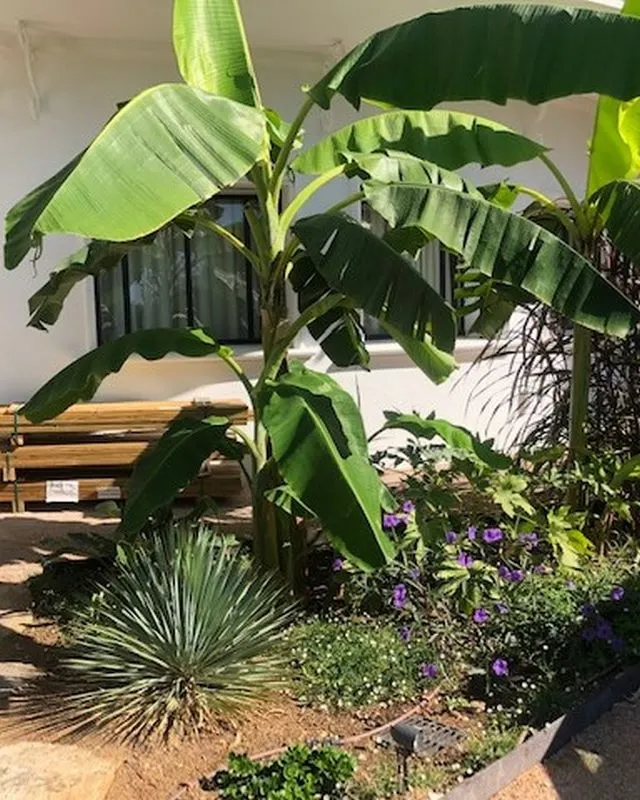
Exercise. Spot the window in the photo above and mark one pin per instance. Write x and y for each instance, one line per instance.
(180, 281)
(436, 265)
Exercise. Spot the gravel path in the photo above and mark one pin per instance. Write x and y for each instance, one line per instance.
(602, 763)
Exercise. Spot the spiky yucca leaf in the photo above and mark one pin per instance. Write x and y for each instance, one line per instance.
(186, 631)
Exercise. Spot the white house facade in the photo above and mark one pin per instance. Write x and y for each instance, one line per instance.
(64, 67)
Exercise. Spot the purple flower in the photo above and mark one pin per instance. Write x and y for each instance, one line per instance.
(492, 535)
(504, 571)
(604, 630)
(414, 573)
(465, 560)
(617, 593)
(516, 576)
(541, 569)
(399, 597)
(450, 537)
(480, 616)
(337, 565)
(502, 608)
(405, 634)
(408, 507)
(587, 610)
(500, 667)
(390, 521)
(428, 670)
(472, 532)
(617, 644)
(529, 540)
(589, 634)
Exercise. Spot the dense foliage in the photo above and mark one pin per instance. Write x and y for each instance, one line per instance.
(301, 773)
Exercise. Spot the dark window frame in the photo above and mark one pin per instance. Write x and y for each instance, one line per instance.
(253, 315)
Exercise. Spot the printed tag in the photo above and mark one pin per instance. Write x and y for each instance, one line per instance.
(62, 492)
(110, 493)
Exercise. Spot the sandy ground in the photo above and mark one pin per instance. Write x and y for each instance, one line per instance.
(600, 764)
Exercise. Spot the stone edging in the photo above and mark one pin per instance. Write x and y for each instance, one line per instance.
(543, 744)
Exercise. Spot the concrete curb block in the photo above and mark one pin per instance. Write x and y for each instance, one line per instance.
(543, 744)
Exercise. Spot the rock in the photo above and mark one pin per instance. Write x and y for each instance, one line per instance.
(38, 771)
(14, 674)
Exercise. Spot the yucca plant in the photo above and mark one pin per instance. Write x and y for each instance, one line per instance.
(187, 630)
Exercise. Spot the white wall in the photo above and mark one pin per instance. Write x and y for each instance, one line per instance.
(79, 83)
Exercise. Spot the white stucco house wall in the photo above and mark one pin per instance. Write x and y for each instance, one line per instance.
(65, 64)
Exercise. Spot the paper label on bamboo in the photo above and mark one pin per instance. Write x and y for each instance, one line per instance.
(109, 493)
(62, 492)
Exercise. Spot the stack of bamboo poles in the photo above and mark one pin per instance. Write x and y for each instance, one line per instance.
(87, 453)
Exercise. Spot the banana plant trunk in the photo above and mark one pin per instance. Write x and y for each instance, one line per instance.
(279, 540)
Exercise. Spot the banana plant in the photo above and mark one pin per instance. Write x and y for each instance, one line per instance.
(611, 204)
(172, 147)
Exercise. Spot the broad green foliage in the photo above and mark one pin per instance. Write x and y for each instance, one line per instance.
(449, 139)
(360, 265)
(169, 467)
(173, 145)
(211, 49)
(320, 447)
(185, 630)
(339, 331)
(619, 204)
(454, 436)
(395, 167)
(20, 223)
(615, 145)
(511, 249)
(47, 303)
(299, 773)
(397, 66)
(81, 379)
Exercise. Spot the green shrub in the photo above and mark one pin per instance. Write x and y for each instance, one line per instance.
(346, 663)
(556, 634)
(301, 773)
(184, 630)
(65, 587)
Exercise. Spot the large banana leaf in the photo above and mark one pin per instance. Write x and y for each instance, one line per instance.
(20, 222)
(169, 148)
(615, 145)
(320, 447)
(619, 204)
(454, 436)
(450, 139)
(81, 379)
(46, 304)
(212, 51)
(509, 248)
(339, 331)
(379, 280)
(167, 468)
(495, 53)
(395, 167)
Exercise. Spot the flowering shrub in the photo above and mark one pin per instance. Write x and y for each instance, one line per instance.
(345, 663)
(528, 642)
